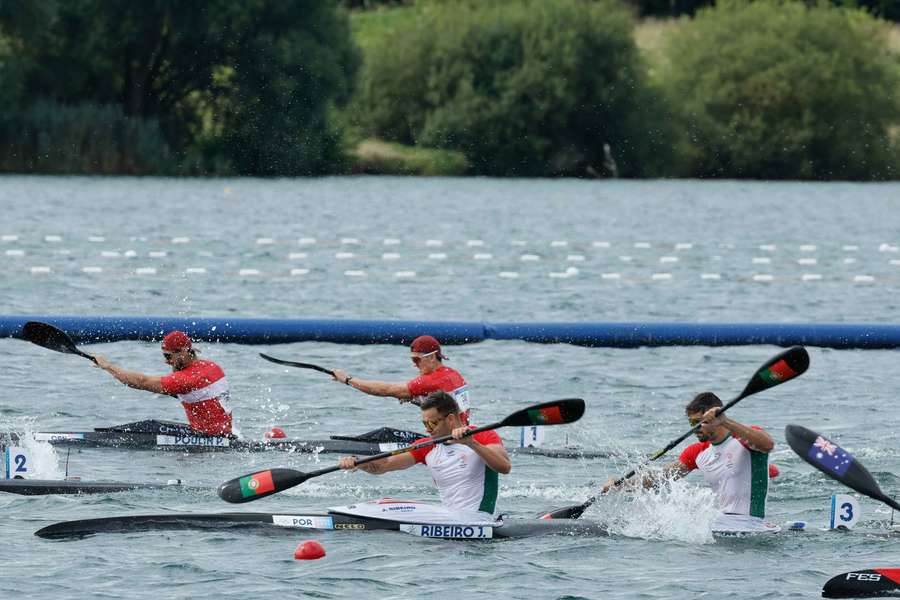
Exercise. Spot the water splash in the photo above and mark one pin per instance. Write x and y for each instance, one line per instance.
(675, 510)
(43, 461)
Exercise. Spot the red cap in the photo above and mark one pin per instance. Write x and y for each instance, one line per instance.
(425, 344)
(175, 341)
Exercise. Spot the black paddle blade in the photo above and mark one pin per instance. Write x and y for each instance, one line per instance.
(52, 338)
(791, 363)
(301, 365)
(835, 462)
(555, 412)
(868, 583)
(260, 484)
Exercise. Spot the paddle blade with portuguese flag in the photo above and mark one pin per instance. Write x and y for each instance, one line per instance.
(556, 412)
(835, 462)
(785, 366)
(868, 583)
(259, 485)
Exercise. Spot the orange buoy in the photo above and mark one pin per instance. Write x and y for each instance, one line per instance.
(773, 472)
(276, 433)
(309, 550)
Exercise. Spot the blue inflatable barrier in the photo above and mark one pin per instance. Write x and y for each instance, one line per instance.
(361, 331)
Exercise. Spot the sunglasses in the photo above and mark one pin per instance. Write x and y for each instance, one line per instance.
(432, 423)
(694, 422)
(418, 359)
(168, 355)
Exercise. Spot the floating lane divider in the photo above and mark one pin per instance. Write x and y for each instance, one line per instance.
(92, 329)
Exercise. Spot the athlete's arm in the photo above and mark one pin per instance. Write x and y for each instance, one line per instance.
(674, 470)
(132, 379)
(493, 455)
(758, 439)
(374, 387)
(385, 465)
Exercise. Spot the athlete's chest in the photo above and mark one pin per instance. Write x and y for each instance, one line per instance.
(725, 458)
(451, 460)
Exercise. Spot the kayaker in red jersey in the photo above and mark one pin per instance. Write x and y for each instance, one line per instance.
(199, 384)
(426, 354)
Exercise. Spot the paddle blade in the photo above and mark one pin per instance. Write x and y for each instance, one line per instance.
(868, 583)
(260, 484)
(788, 365)
(834, 461)
(50, 337)
(555, 412)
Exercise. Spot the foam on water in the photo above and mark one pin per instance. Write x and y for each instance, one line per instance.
(677, 510)
(44, 461)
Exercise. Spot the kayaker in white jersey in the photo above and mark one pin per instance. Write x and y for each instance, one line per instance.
(733, 458)
(464, 470)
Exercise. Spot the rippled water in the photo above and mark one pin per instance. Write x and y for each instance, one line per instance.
(512, 250)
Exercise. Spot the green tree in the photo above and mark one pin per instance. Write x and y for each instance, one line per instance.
(776, 89)
(523, 87)
(248, 82)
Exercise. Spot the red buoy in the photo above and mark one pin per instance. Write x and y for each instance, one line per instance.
(773, 472)
(309, 550)
(276, 433)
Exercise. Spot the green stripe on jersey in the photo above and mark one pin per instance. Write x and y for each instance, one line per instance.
(489, 494)
(759, 483)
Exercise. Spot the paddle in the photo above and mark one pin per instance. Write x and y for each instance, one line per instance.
(300, 365)
(785, 366)
(52, 338)
(835, 462)
(265, 483)
(868, 583)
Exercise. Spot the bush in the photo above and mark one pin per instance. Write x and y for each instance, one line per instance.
(524, 88)
(381, 158)
(52, 138)
(778, 90)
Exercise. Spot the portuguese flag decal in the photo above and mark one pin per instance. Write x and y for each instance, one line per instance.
(778, 372)
(256, 484)
(546, 416)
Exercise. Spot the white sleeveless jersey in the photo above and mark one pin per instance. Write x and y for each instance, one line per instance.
(462, 478)
(738, 475)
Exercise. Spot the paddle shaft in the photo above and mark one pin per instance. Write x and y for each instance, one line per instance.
(302, 365)
(889, 501)
(405, 449)
(299, 365)
(271, 481)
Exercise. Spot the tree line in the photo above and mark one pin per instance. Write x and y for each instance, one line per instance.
(761, 89)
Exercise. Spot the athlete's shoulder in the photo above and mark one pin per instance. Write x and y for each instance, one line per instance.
(487, 438)
(420, 453)
(688, 456)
